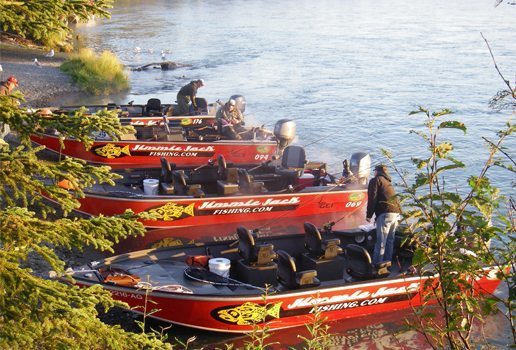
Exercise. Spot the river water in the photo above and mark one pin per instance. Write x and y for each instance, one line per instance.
(347, 71)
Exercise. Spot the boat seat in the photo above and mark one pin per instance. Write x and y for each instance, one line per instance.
(293, 159)
(247, 184)
(128, 137)
(252, 253)
(232, 175)
(166, 178)
(153, 107)
(319, 248)
(292, 165)
(145, 133)
(202, 104)
(174, 134)
(360, 264)
(256, 266)
(222, 166)
(195, 190)
(290, 278)
(180, 186)
(112, 106)
(230, 184)
(322, 255)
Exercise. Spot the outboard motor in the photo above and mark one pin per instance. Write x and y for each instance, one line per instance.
(240, 102)
(360, 165)
(285, 132)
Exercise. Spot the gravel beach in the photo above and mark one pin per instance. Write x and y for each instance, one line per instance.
(40, 84)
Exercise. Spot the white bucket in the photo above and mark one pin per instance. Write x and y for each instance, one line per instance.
(150, 186)
(220, 266)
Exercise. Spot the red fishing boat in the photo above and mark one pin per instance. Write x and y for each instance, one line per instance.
(221, 286)
(188, 203)
(188, 141)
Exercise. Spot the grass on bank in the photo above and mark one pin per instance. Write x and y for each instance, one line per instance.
(97, 74)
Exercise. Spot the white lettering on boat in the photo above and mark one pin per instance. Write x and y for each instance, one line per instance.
(250, 203)
(242, 210)
(173, 148)
(349, 305)
(173, 154)
(118, 293)
(355, 297)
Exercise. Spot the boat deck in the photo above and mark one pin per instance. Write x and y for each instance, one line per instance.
(166, 268)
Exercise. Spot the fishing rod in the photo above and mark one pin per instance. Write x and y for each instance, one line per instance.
(313, 200)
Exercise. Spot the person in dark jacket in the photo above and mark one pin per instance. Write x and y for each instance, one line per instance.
(383, 204)
(324, 178)
(186, 95)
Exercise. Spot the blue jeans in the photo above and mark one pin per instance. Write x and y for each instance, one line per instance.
(385, 228)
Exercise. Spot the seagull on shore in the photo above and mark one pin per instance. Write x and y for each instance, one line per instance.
(36, 62)
(50, 54)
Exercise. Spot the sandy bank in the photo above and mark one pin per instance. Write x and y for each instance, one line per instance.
(40, 84)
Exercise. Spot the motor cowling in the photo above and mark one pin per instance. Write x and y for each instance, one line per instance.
(285, 132)
(360, 166)
(240, 102)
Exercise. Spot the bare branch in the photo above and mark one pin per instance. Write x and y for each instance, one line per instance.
(507, 82)
(498, 148)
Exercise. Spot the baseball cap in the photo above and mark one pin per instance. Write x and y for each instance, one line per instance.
(12, 79)
(381, 167)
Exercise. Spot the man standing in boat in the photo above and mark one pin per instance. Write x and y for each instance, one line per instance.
(186, 95)
(229, 120)
(383, 203)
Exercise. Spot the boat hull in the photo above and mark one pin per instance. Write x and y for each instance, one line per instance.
(240, 314)
(183, 220)
(179, 235)
(144, 154)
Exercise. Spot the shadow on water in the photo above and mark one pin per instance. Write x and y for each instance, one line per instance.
(391, 331)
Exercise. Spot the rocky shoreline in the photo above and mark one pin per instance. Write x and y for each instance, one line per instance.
(41, 85)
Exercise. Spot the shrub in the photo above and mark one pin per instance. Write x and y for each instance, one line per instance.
(100, 75)
(46, 22)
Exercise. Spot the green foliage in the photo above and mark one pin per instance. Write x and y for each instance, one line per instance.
(161, 335)
(319, 338)
(99, 75)
(36, 312)
(452, 232)
(46, 21)
(260, 333)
